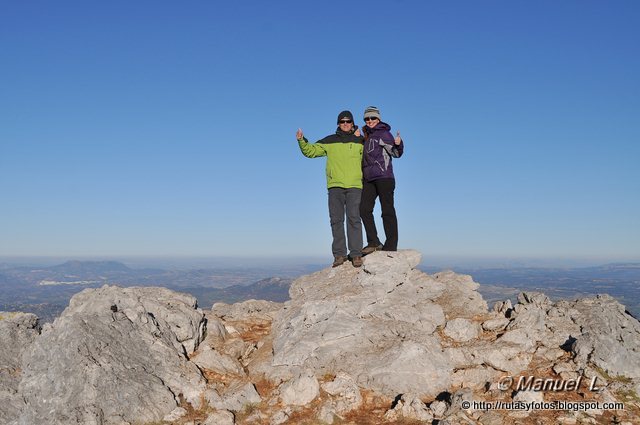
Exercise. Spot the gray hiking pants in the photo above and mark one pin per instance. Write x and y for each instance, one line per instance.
(340, 201)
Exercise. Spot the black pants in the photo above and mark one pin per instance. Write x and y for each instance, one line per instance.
(383, 189)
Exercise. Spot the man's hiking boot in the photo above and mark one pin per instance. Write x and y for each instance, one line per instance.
(371, 248)
(338, 260)
(356, 261)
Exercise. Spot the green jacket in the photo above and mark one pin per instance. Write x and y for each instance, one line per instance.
(344, 158)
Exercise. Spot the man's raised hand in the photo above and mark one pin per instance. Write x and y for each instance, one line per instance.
(398, 139)
(299, 134)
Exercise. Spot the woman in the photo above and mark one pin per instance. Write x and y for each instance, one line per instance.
(378, 180)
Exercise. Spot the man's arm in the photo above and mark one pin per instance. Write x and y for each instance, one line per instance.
(310, 150)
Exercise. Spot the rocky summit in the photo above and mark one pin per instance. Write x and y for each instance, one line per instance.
(385, 343)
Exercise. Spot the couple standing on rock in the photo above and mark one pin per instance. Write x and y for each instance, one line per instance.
(358, 171)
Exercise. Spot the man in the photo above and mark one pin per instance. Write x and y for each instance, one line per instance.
(344, 182)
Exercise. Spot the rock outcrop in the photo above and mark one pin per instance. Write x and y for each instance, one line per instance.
(17, 333)
(411, 336)
(115, 355)
(377, 324)
(379, 344)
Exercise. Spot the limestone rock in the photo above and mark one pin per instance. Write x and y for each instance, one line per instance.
(458, 400)
(383, 324)
(461, 330)
(439, 408)
(495, 324)
(235, 347)
(234, 398)
(175, 310)
(500, 355)
(610, 337)
(211, 359)
(327, 414)
(569, 418)
(119, 354)
(491, 418)
(503, 307)
(175, 414)
(414, 408)
(216, 332)
(475, 378)
(550, 354)
(506, 358)
(526, 397)
(420, 369)
(346, 391)
(280, 417)
(410, 407)
(250, 309)
(376, 323)
(525, 338)
(537, 299)
(220, 417)
(530, 314)
(460, 299)
(17, 333)
(393, 263)
(301, 390)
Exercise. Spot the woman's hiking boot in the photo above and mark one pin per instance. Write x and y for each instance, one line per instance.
(371, 248)
(356, 261)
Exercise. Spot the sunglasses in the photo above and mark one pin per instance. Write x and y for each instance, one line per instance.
(346, 121)
(367, 119)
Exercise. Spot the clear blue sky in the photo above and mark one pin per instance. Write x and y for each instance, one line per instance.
(168, 128)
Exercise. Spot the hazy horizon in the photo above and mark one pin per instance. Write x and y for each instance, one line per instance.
(141, 261)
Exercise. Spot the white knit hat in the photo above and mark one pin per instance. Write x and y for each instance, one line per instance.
(372, 111)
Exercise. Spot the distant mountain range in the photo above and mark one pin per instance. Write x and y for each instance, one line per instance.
(45, 291)
(620, 280)
(113, 272)
(270, 289)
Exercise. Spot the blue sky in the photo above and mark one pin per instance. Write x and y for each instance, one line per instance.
(168, 128)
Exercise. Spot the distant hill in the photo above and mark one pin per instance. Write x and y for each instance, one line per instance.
(620, 280)
(270, 289)
(90, 267)
(623, 265)
(83, 273)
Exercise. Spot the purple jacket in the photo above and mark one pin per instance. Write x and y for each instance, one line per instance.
(379, 148)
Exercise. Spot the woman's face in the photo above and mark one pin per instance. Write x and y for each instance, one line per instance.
(371, 121)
